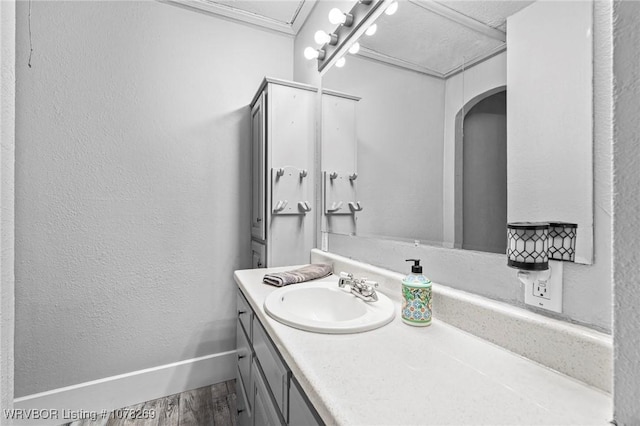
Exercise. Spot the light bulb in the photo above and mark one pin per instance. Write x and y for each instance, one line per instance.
(321, 37)
(393, 8)
(340, 62)
(311, 53)
(371, 30)
(355, 47)
(336, 16)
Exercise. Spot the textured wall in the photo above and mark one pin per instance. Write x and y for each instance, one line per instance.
(7, 138)
(626, 223)
(132, 185)
(587, 288)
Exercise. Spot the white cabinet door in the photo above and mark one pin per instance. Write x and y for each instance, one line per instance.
(258, 208)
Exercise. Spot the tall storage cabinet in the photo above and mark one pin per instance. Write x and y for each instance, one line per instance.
(341, 204)
(283, 117)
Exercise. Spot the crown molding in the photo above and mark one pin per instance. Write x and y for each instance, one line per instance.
(475, 61)
(390, 60)
(222, 10)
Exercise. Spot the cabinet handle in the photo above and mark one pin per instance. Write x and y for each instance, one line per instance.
(259, 264)
(241, 313)
(240, 411)
(241, 356)
(259, 220)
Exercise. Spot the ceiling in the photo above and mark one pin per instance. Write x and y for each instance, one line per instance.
(492, 13)
(434, 37)
(441, 37)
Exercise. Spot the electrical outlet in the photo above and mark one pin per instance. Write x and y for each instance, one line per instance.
(543, 289)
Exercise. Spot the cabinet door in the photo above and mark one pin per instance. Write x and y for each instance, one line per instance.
(275, 371)
(258, 142)
(301, 412)
(265, 412)
(258, 255)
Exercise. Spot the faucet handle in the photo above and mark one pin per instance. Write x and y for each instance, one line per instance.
(346, 275)
(373, 284)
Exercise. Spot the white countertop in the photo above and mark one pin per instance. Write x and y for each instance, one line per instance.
(436, 375)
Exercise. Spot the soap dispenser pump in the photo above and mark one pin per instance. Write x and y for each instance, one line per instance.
(416, 297)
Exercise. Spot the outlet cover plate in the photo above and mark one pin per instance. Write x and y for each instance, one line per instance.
(544, 289)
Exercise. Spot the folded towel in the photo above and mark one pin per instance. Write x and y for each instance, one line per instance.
(306, 273)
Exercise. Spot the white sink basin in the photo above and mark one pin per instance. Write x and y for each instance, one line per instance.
(323, 307)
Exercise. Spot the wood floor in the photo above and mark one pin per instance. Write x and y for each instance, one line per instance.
(208, 406)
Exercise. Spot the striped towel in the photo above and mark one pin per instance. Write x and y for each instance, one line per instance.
(306, 273)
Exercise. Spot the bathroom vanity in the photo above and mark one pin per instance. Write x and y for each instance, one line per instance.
(397, 374)
(267, 392)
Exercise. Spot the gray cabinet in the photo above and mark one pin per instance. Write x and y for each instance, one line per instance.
(301, 412)
(265, 412)
(283, 134)
(267, 392)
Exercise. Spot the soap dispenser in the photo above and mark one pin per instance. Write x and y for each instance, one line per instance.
(416, 297)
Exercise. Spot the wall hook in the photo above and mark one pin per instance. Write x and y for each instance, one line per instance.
(280, 172)
(333, 175)
(335, 207)
(304, 206)
(280, 205)
(353, 176)
(355, 207)
(303, 173)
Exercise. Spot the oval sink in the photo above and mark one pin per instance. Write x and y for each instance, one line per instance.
(323, 307)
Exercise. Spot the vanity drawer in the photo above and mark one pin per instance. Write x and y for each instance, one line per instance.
(244, 314)
(275, 371)
(244, 358)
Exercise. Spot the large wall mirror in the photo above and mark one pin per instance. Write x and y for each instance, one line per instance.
(461, 116)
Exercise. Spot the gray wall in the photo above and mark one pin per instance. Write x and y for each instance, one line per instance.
(399, 127)
(626, 223)
(484, 175)
(7, 199)
(132, 183)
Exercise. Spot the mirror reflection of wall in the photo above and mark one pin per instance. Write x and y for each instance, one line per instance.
(431, 123)
(399, 122)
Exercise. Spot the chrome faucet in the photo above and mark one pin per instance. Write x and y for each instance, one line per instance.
(360, 287)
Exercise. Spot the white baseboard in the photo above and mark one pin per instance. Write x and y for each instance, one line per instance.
(125, 389)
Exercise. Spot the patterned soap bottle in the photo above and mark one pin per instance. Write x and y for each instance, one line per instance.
(416, 297)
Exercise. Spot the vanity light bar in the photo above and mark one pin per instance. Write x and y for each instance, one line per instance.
(363, 15)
